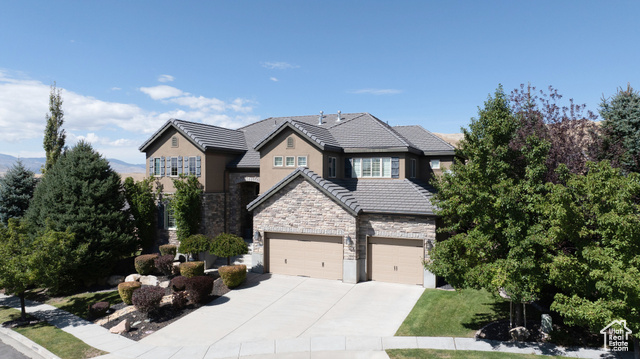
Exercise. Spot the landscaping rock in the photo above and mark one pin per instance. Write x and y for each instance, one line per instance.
(114, 280)
(122, 327)
(151, 280)
(164, 284)
(132, 278)
(519, 334)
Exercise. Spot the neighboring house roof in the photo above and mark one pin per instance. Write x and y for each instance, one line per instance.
(425, 140)
(204, 136)
(368, 196)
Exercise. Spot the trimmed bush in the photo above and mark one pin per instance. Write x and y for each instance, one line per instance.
(228, 245)
(126, 290)
(164, 264)
(99, 309)
(147, 299)
(145, 264)
(195, 244)
(233, 276)
(192, 269)
(199, 288)
(177, 284)
(167, 249)
(179, 300)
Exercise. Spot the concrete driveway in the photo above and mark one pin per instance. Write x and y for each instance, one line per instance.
(281, 307)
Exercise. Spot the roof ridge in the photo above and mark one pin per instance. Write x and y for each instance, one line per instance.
(437, 137)
(393, 132)
(300, 126)
(174, 120)
(419, 189)
(360, 114)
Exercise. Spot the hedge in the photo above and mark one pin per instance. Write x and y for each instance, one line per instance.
(145, 264)
(233, 276)
(192, 269)
(126, 290)
(167, 249)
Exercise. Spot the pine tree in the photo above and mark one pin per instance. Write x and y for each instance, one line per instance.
(16, 190)
(621, 129)
(82, 194)
(54, 135)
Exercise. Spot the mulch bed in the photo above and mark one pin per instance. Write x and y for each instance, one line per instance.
(561, 335)
(141, 326)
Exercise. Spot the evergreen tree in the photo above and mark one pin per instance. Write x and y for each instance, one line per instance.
(187, 205)
(621, 129)
(82, 194)
(141, 200)
(16, 190)
(54, 135)
(490, 205)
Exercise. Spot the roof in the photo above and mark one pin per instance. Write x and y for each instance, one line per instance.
(203, 136)
(426, 141)
(390, 196)
(321, 137)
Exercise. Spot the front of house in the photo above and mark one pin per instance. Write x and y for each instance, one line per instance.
(341, 196)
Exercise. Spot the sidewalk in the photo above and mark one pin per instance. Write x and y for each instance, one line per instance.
(120, 347)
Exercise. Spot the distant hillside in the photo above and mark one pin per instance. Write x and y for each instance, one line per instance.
(452, 138)
(34, 164)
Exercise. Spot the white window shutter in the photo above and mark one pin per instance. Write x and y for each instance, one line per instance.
(151, 162)
(198, 166)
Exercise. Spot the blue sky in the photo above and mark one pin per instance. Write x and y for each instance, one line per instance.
(125, 67)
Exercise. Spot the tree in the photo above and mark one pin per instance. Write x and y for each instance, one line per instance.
(195, 244)
(228, 245)
(54, 135)
(141, 200)
(83, 194)
(594, 221)
(16, 261)
(16, 190)
(490, 206)
(621, 129)
(186, 203)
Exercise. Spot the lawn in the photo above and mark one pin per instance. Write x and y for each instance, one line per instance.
(440, 313)
(78, 304)
(60, 343)
(456, 354)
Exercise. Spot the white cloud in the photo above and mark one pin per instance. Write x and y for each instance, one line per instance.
(279, 65)
(372, 91)
(274, 79)
(161, 92)
(115, 88)
(166, 78)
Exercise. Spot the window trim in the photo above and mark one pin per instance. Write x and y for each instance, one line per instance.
(431, 164)
(171, 159)
(333, 163)
(281, 161)
(195, 165)
(156, 167)
(293, 161)
(357, 167)
(414, 168)
(167, 209)
(306, 161)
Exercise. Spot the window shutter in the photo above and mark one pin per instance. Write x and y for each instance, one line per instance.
(198, 166)
(185, 165)
(395, 167)
(151, 162)
(160, 215)
(179, 165)
(347, 167)
(162, 166)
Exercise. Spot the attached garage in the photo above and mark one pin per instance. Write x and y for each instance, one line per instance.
(395, 260)
(304, 255)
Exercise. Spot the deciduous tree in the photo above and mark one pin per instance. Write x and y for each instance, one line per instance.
(187, 205)
(228, 245)
(54, 135)
(141, 200)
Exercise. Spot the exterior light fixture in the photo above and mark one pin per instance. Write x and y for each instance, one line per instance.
(256, 236)
(349, 241)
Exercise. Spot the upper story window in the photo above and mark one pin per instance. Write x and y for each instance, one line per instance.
(191, 166)
(277, 161)
(174, 166)
(414, 168)
(290, 161)
(290, 142)
(174, 141)
(302, 161)
(371, 167)
(435, 164)
(332, 167)
(156, 166)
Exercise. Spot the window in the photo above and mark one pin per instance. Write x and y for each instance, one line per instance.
(371, 167)
(290, 161)
(170, 219)
(174, 166)
(435, 164)
(302, 161)
(191, 170)
(386, 167)
(290, 142)
(174, 141)
(277, 161)
(414, 168)
(156, 166)
(332, 167)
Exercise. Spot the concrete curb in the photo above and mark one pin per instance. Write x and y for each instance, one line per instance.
(30, 344)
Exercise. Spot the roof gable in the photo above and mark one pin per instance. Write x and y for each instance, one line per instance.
(204, 136)
(319, 137)
(423, 139)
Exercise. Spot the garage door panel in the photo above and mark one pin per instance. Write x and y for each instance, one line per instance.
(395, 260)
(312, 256)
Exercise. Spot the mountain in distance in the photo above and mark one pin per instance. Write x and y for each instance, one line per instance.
(34, 164)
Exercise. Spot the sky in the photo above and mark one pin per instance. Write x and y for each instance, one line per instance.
(126, 67)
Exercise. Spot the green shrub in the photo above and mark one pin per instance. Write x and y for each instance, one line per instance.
(195, 244)
(199, 288)
(99, 309)
(191, 269)
(177, 284)
(167, 249)
(126, 290)
(147, 299)
(145, 264)
(228, 245)
(233, 276)
(164, 264)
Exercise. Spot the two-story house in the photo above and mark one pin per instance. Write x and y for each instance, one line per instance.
(341, 196)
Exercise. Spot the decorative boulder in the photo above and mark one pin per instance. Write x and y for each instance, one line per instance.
(519, 334)
(122, 327)
(132, 278)
(150, 280)
(114, 280)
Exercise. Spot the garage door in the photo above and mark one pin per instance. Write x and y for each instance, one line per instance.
(305, 255)
(395, 260)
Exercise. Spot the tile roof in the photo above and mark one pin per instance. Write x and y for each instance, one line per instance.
(204, 136)
(426, 141)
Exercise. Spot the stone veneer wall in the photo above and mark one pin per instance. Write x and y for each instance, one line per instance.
(212, 222)
(234, 209)
(396, 226)
(300, 207)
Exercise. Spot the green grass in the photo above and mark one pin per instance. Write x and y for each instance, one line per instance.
(456, 354)
(60, 343)
(440, 313)
(78, 304)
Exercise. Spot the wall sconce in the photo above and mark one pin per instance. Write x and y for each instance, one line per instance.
(349, 241)
(256, 236)
(429, 246)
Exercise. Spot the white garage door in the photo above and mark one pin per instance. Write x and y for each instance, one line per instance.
(305, 255)
(395, 260)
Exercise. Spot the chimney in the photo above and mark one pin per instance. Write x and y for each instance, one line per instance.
(339, 119)
(320, 118)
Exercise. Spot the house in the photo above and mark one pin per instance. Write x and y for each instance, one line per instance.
(340, 196)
